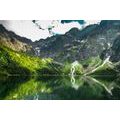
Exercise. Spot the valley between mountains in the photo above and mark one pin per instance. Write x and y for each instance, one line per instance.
(81, 64)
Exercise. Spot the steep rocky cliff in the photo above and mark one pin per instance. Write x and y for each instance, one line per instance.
(15, 42)
(93, 40)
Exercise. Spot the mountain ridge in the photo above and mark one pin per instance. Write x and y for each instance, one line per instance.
(14, 41)
(98, 39)
(78, 44)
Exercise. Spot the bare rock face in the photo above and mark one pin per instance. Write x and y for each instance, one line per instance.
(15, 42)
(91, 41)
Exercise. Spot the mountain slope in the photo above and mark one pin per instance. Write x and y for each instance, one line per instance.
(16, 63)
(15, 42)
(77, 44)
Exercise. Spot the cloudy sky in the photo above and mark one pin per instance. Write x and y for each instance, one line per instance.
(41, 29)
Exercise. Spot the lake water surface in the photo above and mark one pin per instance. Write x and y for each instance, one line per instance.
(59, 87)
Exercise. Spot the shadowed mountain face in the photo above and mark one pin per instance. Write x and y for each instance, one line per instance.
(93, 40)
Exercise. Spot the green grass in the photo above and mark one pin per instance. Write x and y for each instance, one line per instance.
(91, 62)
(12, 62)
(67, 69)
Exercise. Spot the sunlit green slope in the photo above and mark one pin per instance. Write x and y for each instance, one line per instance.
(12, 62)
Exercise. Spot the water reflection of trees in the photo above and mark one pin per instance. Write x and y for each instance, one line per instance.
(83, 88)
(8, 84)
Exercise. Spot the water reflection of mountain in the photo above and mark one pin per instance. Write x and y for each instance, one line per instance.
(59, 87)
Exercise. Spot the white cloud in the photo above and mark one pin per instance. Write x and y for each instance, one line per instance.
(89, 22)
(27, 28)
(45, 24)
(63, 28)
(57, 26)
